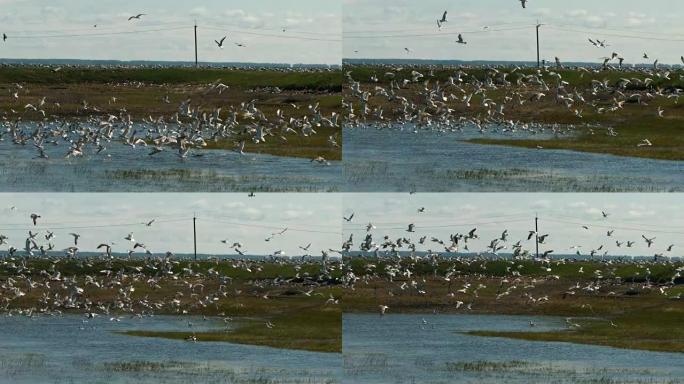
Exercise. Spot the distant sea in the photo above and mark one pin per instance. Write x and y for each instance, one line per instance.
(143, 63)
(508, 256)
(179, 256)
(396, 61)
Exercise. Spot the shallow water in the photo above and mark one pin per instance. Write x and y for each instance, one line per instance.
(397, 349)
(397, 160)
(64, 349)
(124, 169)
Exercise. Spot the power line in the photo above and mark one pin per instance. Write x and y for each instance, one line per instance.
(440, 34)
(89, 226)
(17, 33)
(451, 225)
(272, 35)
(621, 221)
(441, 220)
(282, 30)
(618, 227)
(95, 34)
(293, 229)
(636, 37)
(631, 31)
(432, 29)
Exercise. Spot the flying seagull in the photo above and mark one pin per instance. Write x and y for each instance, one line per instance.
(442, 20)
(460, 39)
(523, 3)
(136, 16)
(220, 42)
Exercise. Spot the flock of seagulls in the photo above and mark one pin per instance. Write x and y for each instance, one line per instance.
(413, 96)
(108, 285)
(397, 96)
(403, 263)
(189, 130)
(460, 242)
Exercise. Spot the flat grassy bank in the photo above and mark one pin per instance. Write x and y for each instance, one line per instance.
(293, 299)
(314, 79)
(612, 304)
(633, 122)
(304, 328)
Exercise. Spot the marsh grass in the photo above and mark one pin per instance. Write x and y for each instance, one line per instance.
(302, 328)
(643, 317)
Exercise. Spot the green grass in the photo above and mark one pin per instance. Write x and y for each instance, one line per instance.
(311, 329)
(633, 124)
(300, 146)
(653, 329)
(246, 78)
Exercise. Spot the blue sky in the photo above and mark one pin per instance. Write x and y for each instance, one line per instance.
(561, 215)
(659, 19)
(216, 18)
(235, 217)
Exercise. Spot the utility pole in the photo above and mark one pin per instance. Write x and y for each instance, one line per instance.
(538, 26)
(536, 234)
(196, 63)
(194, 234)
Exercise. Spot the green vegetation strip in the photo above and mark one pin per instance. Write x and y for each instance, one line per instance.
(287, 80)
(311, 329)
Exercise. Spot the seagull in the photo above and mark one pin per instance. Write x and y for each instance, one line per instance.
(523, 3)
(648, 241)
(407, 50)
(442, 20)
(645, 143)
(149, 223)
(460, 40)
(34, 218)
(348, 219)
(136, 16)
(4, 38)
(383, 309)
(220, 42)
(76, 236)
(410, 228)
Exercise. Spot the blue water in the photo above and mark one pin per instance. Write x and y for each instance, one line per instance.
(397, 349)
(67, 350)
(110, 171)
(398, 160)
